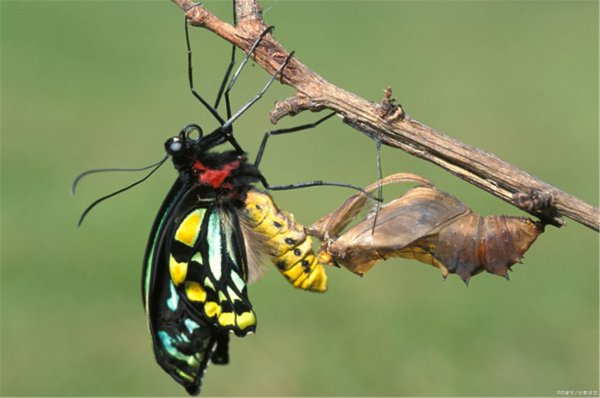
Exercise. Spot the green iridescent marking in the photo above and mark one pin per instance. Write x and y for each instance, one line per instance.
(173, 301)
(232, 295)
(237, 281)
(229, 243)
(149, 264)
(197, 257)
(185, 375)
(208, 283)
(214, 248)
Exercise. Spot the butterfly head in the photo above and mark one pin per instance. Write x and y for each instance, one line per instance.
(187, 146)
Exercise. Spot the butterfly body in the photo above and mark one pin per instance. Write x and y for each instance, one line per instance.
(285, 242)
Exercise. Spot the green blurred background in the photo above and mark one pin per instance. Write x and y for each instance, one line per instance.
(90, 84)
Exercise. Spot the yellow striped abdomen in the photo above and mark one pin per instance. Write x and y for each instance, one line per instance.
(285, 241)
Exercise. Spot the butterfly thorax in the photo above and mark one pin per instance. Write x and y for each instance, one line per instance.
(225, 170)
(227, 175)
(221, 176)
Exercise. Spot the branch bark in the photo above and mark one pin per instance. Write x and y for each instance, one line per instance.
(389, 124)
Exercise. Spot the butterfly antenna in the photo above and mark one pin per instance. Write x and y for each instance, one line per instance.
(90, 207)
(88, 172)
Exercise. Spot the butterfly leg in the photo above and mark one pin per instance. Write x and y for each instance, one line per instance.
(225, 131)
(268, 134)
(195, 92)
(314, 183)
(302, 184)
(229, 69)
(240, 67)
(227, 125)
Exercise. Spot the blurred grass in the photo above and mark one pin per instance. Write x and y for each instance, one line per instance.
(92, 84)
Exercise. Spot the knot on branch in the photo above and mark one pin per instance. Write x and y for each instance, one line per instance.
(248, 10)
(388, 110)
(196, 14)
(293, 106)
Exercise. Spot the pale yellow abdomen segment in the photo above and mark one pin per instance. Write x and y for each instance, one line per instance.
(287, 244)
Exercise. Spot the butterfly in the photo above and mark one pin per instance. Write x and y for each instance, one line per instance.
(206, 244)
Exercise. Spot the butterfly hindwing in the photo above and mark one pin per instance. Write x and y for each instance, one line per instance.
(183, 345)
(207, 264)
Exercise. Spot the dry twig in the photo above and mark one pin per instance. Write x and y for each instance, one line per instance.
(388, 123)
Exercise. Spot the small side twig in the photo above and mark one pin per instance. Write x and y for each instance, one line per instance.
(388, 123)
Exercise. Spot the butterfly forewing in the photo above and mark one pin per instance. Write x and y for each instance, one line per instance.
(183, 343)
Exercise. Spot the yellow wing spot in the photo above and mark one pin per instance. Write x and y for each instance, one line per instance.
(188, 231)
(226, 319)
(245, 319)
(212, 309)
(195, 292)
(177, 270)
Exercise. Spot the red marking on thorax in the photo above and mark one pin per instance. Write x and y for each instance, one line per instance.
(215, 177)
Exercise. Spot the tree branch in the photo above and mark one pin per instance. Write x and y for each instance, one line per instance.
(389, 124)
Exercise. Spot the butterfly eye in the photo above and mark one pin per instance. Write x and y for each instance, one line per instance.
(174, 146)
